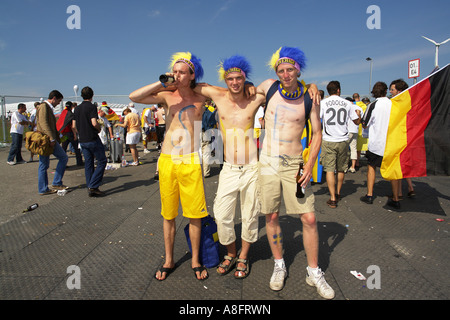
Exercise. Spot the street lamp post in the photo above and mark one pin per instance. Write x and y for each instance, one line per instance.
(370, 77)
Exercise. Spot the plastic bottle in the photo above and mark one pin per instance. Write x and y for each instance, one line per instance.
(124, 161)
(31, 208)
(300, 190)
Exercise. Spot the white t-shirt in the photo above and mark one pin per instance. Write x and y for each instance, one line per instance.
(16, 118)
(259, 115)
(352, 127)
(335, 113)
(149, 115)
(376, 119)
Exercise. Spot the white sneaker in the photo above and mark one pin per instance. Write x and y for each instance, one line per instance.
(277, 279)
(11, 163)
(323, 288)
(146, 151)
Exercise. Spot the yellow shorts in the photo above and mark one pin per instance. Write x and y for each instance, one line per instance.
(181, 178)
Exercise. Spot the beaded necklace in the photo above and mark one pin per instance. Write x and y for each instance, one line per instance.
(294, 95)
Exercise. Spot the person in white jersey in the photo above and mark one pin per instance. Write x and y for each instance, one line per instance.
(376, 119)
(335, 113)
(18, 121)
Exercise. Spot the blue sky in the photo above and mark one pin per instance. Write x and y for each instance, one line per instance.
(123, 45)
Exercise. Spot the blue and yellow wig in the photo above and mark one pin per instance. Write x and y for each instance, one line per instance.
(234, 63)
(192, 61)
(291, 55)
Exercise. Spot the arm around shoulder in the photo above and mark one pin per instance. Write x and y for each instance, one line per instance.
(264, 86)
(314, 92)
(208, 90)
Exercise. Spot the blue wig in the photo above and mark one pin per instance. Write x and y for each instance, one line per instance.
(235, 63)
(289, 52)
(198, 67)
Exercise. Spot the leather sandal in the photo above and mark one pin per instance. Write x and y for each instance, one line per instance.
(332, 203)
(226, 267)
(242, 270)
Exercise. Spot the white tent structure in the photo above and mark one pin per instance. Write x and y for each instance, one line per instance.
(117, 107)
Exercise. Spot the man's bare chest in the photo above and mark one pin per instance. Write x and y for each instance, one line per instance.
(280, 111)
(236, 117)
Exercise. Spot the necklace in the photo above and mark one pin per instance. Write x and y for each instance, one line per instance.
(291, 96)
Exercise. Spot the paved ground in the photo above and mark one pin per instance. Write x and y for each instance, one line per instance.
(117, 242)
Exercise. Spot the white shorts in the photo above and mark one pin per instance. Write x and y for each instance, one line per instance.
(133, 138)
(236, 179)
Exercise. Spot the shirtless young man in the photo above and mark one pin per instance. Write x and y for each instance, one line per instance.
(240, 169)
(180, 173)
(279, 163)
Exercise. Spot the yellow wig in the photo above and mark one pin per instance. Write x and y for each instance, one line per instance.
(191, 60)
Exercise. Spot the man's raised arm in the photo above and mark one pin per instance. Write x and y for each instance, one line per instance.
(149, 94)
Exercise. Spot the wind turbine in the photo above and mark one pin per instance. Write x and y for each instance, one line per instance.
(436, 64)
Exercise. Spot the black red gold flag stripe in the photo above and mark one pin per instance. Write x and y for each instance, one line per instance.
(418, 138)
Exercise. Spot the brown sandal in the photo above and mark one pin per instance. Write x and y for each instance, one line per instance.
(332, 203)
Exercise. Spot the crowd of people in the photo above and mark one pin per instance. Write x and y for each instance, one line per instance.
(86, 131)
(260, 168)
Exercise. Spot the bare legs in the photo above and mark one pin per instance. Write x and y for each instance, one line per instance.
(169, 240)
(310, 237)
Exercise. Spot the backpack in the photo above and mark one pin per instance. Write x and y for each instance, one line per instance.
(274, 87)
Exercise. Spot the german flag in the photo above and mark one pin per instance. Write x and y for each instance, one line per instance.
(112, 116)
(418, 140)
